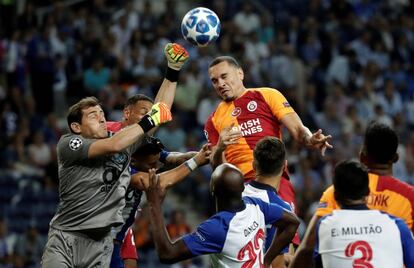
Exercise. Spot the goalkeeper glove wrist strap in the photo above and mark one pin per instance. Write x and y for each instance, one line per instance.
(172, 74)
(146, 123)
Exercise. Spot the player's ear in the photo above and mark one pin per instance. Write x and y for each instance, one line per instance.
(362, 157)
(395, 158)
(240, 73)
(127, 112)
(75, 127)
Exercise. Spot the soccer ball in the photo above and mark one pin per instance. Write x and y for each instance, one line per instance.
(200, 26)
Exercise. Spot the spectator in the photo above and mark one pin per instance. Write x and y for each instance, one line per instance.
(29, 246)
(39, 152)
(96, 78)
(246, 19)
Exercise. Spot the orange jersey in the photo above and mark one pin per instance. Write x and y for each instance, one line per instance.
(387, 194)
(257, 113)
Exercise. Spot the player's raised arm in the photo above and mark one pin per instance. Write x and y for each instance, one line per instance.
(159, 114)
(176, 56)
(177, 158)
(171, 177)
(303, 135)
(168, 251)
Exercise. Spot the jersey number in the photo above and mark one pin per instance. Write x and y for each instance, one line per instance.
(366, 251)
(251, 248)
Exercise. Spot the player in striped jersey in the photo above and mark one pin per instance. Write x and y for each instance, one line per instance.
(355, 236)
(387, 193)
(234, 236)
(135, 108)
(145, 157)
(269, 161)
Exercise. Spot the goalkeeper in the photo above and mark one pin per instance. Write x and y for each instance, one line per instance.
(93, 178)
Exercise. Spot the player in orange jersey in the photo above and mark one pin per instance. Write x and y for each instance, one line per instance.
(387, 193)
(247, 115)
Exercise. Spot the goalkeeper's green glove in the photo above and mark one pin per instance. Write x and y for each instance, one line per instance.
(159, 114)
(176, 55)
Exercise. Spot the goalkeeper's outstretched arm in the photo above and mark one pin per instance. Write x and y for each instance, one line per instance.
(176, 56)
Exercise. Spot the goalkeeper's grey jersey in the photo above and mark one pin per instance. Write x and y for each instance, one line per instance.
(91, 191)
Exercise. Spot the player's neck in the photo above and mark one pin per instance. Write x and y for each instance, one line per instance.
(380, 169)
(273, 181)
(232, 205)
(241, 92)
(350, 203)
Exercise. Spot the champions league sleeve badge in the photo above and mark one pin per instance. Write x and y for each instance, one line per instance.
(75, 143)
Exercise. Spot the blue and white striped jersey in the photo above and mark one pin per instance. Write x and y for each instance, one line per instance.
(268, 194)
(359, 237)
(235, 239)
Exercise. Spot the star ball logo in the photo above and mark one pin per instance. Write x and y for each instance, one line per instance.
(75, 144)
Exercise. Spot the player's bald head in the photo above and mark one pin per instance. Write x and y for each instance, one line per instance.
(227, 182)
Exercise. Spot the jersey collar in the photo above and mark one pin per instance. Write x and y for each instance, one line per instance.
(262, 186)
(356, 207)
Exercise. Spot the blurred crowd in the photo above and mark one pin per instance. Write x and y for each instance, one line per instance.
(339, 63)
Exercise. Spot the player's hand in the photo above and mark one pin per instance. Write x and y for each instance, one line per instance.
(229, 135)
(320, 141)
(176, 55)
(203, 156)
(160, 113)
(287, 259)
(154, 192)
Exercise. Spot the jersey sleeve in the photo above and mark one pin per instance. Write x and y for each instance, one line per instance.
(211, 132)
(283, 204)
(278, 104)
(163, 156)
(128, 249)
(316, 255)
(407, 241)
(327, 203)
(208, 238)
(73, 148)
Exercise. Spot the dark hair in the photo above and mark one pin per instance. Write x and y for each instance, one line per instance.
(350, 181)
(380, 143)
(75, 111)
(230, 60)
(269, 155)
(137, 97)
(150, 145)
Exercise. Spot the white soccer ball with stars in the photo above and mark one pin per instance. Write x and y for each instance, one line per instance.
(200, 26)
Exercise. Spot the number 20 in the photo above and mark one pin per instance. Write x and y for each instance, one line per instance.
(251, 249)
(366, 250)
